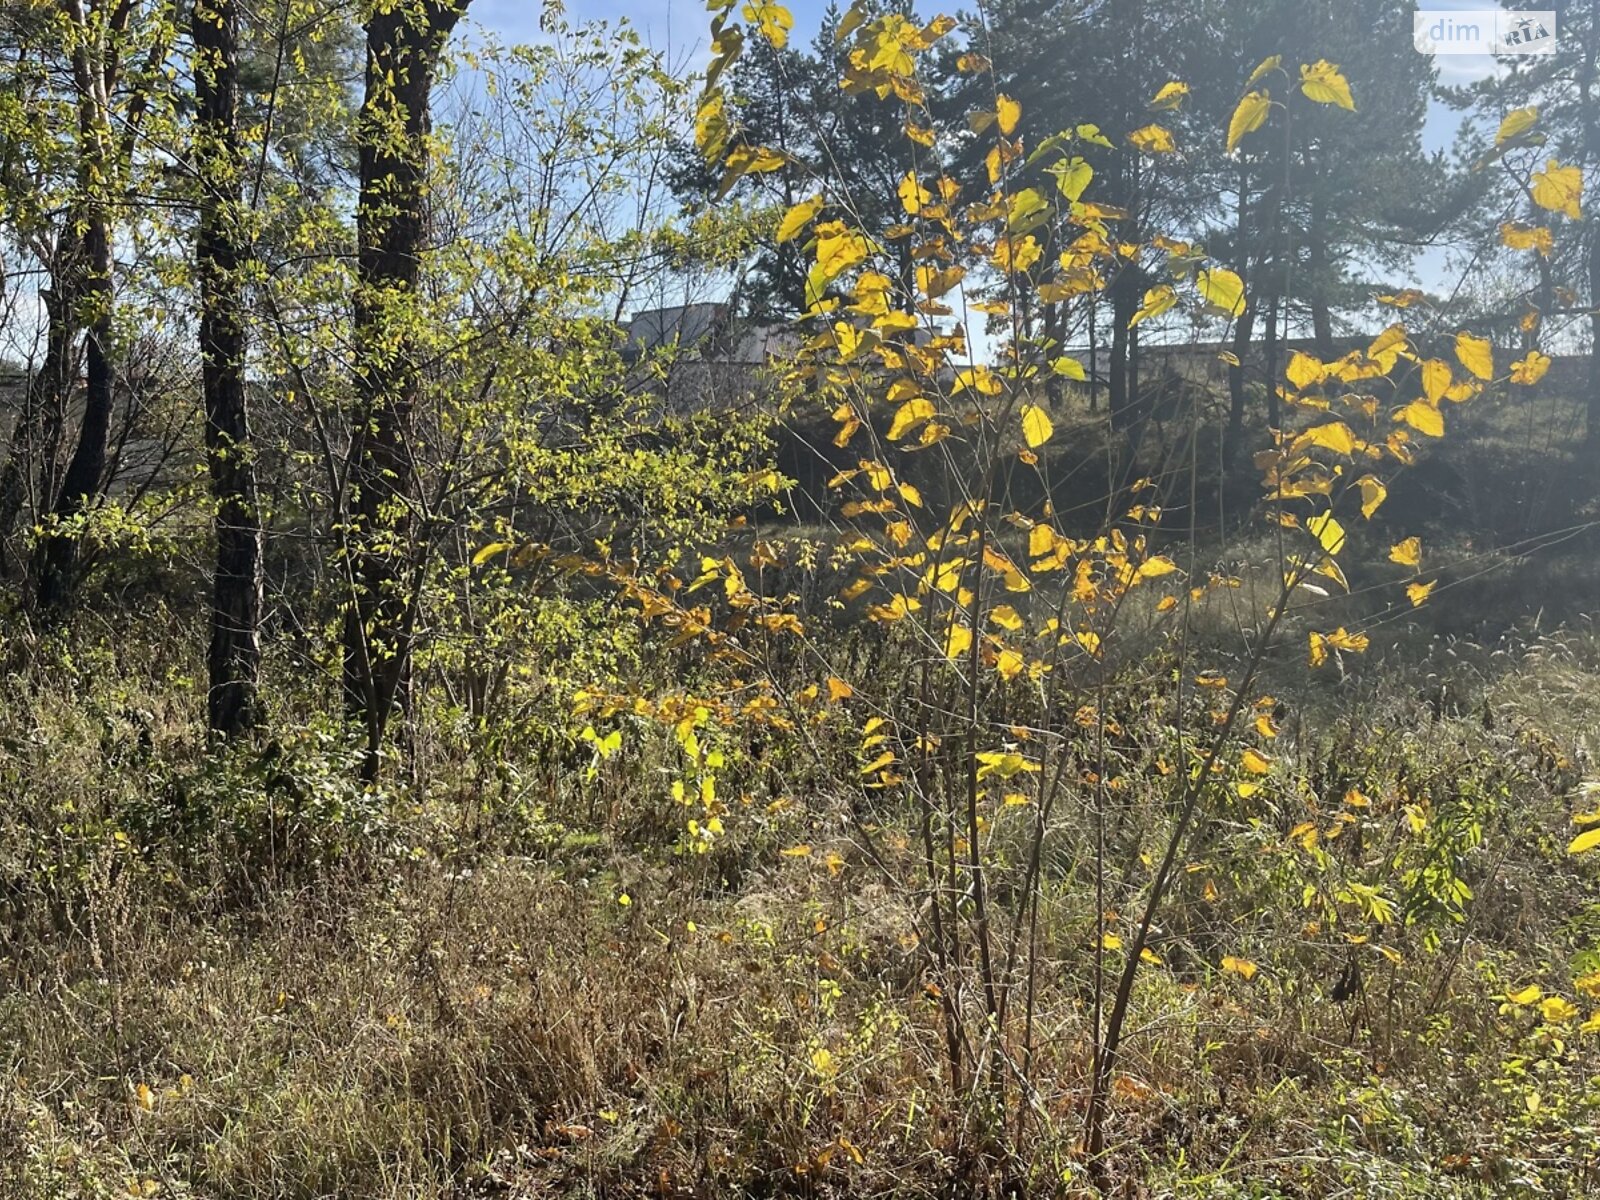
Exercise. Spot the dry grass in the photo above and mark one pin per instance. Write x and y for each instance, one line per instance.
(295, 996)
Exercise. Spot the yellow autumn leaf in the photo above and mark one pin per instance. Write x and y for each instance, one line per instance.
(1436, 380)
(1342, 639)
(1263, 68)
(711, 127)
(838, 689)
(1009, 663)
(1036, 425)
(1373, 493)
(1516, 123)
(1223, 291)
(913, 196)
(1156, 301)
(1170, 96)
(1423, 417)
(799, 851)
(1408, 553)
(980, 379)
(957, 641)
(774, 21)
(1110, 941)
(1585, 841)
(1006, 617)
(1305, 371)
(1476, 354)
(1153, 139)
(1009, 112)
(1255, 762)
(935, 282)
(489, 551)
(1516, 236)
(1530, 368)
(1319, 649)
(797, 218)
(1248, 117)
(1557, 1010)
(1025, 210)
(1073, 177)
(1528, 995)
(1559, 189)
(1335, 436)
(1241, 967)
(908, 416)
(1322, 82)
(1418, 592)
(1326, 529)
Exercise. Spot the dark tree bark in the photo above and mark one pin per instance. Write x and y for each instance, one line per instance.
(1124, 304)
(1243, 331)
(1593, 414)
(1318, 265)
(60, 551)
(94, 78)
(1588, 76)
(28, 467)
(403, 46)
(1270, 356)
(1094, 356)
(234, 659)
(1243, 328)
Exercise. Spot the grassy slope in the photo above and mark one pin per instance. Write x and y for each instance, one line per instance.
(242, 979)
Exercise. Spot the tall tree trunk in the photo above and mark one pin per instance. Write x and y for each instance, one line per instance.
(234, 659)
(94, 77)
(1588, 80)
(48, 396)
(1320, 285)
(1270, 355)
(1594, 337)
(1094, 356)
(1124, 304)
(403, 45)
(60, 551)
(1243, 330)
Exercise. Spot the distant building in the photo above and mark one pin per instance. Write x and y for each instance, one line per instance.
(707, 358)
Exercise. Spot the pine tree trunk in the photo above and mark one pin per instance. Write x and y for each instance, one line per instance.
(1270, 355)
(1243, 330)
(234, 659)
(1594, 340)
(1124, 304)
(1317, 260)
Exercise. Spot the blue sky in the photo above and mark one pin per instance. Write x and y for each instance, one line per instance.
(679, 27)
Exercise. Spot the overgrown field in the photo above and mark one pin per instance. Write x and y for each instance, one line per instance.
(1000, 606)
(247, 977)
